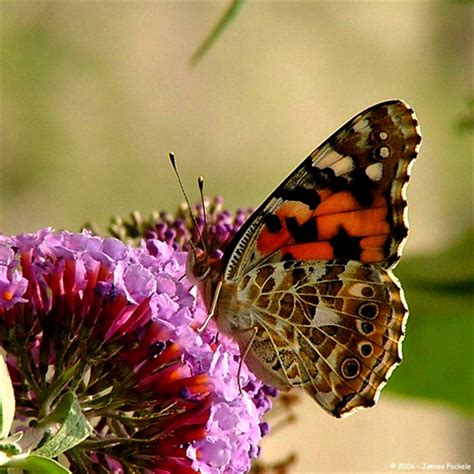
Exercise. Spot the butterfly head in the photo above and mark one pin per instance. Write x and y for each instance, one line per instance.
(198, 267)
(199, 263)
(203, 271)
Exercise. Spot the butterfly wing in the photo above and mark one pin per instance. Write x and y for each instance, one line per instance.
(332, 328)
(346, 200)
(311, 268)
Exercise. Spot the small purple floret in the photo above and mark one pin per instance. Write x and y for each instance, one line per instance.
(129, 311)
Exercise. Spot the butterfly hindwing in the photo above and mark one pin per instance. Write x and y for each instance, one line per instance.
(332, 328)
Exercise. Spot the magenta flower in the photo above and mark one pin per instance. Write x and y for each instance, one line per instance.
(179, 230)
(115, 325)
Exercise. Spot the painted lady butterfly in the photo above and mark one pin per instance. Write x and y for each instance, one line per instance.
(306, 286)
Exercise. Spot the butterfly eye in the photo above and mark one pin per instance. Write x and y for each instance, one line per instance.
(201, 270)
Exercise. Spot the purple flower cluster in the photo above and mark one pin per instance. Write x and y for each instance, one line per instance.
(235, 427)
(122, 321)
(178, 230)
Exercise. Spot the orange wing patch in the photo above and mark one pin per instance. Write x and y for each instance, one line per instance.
(276, 235)
(310, 251)
(333, 203)
(339, 227)
(358, 223)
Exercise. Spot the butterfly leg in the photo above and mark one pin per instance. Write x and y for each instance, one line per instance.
(212, 310)
(245, 353)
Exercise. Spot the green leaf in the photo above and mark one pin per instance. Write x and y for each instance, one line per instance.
(7, 400)
(74, 428)
(37, 464)
(451, 270)
(10, 445)
(223, 23)
(465, 122)
(438, 349)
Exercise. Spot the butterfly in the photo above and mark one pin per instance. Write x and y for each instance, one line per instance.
(306, 286)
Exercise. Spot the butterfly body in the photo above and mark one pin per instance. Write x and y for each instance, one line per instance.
(306, 286)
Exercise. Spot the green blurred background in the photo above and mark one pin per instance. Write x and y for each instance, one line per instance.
(94, 96)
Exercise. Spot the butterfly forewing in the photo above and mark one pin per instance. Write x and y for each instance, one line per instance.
(307, 288)
(346, 200)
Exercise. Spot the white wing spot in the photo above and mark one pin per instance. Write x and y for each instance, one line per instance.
(327, 159)
(324, 316)
(384, 152)
(375, 171)
(361, 290)
(343, 166)
(383, 135)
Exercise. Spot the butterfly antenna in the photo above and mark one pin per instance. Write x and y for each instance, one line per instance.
(201, 193)
(175, 168)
